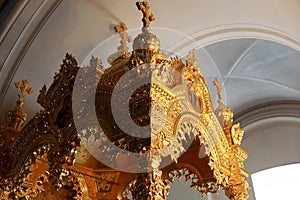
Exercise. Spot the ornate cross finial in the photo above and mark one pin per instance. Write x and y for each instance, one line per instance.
(24, 89)
(121, 29)
(147, 15)
(220, 90)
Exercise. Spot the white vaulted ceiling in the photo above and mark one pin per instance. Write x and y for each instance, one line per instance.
(37, 34)
(253, 46)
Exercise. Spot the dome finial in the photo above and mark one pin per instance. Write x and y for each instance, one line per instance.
(146, 40)
(147, 15)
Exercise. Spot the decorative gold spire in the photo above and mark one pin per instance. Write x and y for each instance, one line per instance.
(220, 90)
(16, 117)
(121, 29)
(146, 40)
(24, 89)
(122, 50)
(223, 112)
(147, 15)
(192, 61)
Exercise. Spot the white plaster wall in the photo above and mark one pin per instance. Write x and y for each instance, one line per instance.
(273, 143)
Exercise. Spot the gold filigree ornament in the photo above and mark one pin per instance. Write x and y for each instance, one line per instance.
(16, 117)
(182, 120)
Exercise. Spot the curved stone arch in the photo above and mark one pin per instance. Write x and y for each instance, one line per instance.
(267, 122)
(289, 109)
(234, 31)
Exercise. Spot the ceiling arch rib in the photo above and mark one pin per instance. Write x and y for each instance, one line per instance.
(263, 80)
(18, 35)
(243, 30)
(237, 62)
(267, 111)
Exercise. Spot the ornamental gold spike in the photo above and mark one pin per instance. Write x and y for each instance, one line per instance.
(147, 15)
(122, 50)
(220, 90)
(121, 29)
(24, 87)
